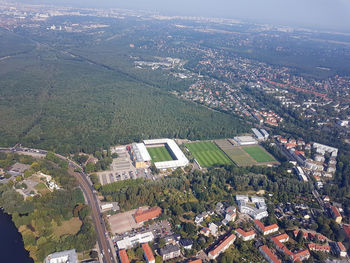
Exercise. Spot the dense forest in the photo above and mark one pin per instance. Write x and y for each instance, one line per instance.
(51, 100)
(40, 218)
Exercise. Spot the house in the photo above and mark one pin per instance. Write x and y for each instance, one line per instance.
(245, 236)
(142, 215)
(123, 257)
(265, 230)
(148, 254)
(186, 243)
(335, 214)
(213, 229)
(205, 231)
(318, 247)
(301, 255)
(222, 246)
(269, 255)
(198, 219)
(340, 249)
(170, 251)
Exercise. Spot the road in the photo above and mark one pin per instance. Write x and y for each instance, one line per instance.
(85, 185)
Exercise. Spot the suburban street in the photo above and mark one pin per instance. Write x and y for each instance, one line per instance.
(100, 228)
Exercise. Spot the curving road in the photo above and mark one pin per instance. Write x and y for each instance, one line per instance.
(86, 186)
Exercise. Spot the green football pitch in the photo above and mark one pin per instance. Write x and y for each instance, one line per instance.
(159, 154)
(208, 154)
(258, 154)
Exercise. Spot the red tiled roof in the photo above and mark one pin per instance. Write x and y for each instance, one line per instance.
(318, 247)
(281, 237)
(347, 231)
(123, 256)
(245, 234)
(321, 237)
(142, 216)
(265, 228)
(335, 211)
(301, 255)
(148, 252)
(341, 246)
(195, 261)
(269, 253)
(222, 244)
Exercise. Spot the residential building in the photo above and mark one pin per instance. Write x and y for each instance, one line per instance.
(335, 214)
(170, 251)
(186, 243)
(213, 229)
(245, 236)
(62, 257)
(269, 255)
(195, 261)
(148, 254)
(340, 249)
(123, 257)
(198, 219)
(142, 215)
(318, 247)
(222, 246)
(265, 230)
(205, 231)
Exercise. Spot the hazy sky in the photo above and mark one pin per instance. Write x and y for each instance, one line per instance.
(332, 14)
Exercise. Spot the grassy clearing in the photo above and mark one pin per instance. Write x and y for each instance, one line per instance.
(208, 154)
(159, 154)
(258, 154)
(69, 227)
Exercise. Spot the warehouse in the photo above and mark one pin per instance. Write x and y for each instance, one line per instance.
(257, 134)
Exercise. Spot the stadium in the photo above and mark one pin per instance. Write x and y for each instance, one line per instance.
(164, 153)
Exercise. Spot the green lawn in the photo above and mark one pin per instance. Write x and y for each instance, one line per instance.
(258, 154)
(208, 154)
(159, 154)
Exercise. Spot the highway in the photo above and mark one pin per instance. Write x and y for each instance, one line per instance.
(86, 186)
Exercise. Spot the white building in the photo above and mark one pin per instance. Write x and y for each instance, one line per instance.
(131, 241)
(265, 133)
(258, 211)
(258, 135)
(245, 140)
(62, 257)
(213, 229)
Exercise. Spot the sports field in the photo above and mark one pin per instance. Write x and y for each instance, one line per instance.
(159, 154)
(208, 154)
(258, 154)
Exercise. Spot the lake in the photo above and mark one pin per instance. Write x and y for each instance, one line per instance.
(11, 243)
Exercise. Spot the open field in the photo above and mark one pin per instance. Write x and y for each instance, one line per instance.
(259, 154)
(159, 154)
(69, 227)
(246, 155)
(208, 154)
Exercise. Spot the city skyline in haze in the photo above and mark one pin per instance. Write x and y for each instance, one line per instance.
(317, 14)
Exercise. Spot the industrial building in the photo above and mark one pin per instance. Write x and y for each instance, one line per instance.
(245, 140)
(179, 159)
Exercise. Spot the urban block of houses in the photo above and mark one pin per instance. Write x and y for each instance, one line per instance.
(265, 230)
(245, 236)
(142, 215)
(298, 256)
(170, 251)
(257, 208)
(148, 254)
(222, 246)
(269, 255)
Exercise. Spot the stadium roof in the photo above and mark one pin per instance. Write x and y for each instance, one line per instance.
(141, 152)
(181, 159)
